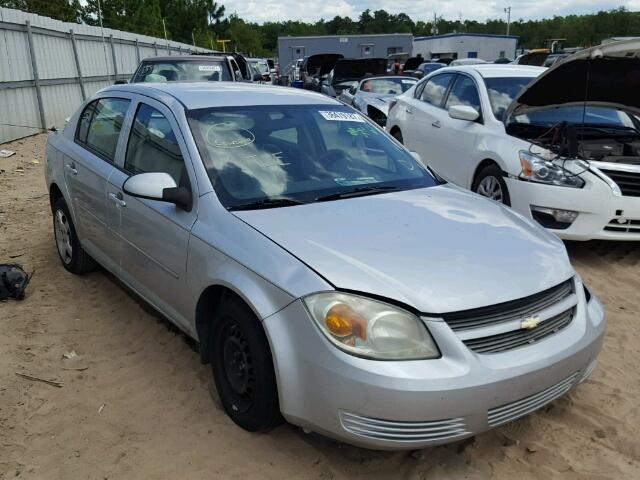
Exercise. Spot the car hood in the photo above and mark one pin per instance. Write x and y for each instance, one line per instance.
(606, 75)
(324, 61)
(348, 69)
(438, 249)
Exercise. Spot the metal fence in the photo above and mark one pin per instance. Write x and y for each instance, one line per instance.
(48, 67)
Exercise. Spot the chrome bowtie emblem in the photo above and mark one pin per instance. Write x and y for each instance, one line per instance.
(530, 323)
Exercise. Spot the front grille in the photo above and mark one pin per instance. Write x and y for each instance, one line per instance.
(629, 182)
(623, 226)
(518, 338)
(504, 312)
(506, 413)
(403, 431)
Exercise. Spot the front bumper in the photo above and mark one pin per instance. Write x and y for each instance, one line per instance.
(414, 404)
(598, 207)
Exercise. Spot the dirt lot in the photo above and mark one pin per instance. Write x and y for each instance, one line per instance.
(136, 403)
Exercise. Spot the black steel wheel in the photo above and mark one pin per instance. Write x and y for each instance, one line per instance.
(242, 367)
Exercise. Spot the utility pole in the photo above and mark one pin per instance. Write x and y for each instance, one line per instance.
(193, 38)
(434, 27)
(508, 12)
(164, 27)
(224, 44)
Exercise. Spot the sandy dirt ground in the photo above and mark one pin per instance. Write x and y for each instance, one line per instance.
(136, 402)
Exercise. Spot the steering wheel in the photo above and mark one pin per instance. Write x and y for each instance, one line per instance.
(334, 162)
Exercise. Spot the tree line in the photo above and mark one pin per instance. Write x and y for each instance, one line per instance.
(204, 22)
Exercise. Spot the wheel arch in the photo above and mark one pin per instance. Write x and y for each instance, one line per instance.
(484, 164)
(54, 194)
(210, 300)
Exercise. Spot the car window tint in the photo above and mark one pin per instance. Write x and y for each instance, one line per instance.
(153, 146)
(464, 92)
(436, 88)
(101, 135)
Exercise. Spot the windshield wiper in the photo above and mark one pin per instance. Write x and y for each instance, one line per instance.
(356, 192)
(267, 203)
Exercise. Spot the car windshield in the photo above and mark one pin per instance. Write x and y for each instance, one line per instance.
(182, 71)
(388, 86)
(431, 67)
(260, 66)
(259, 155)
(502, 91)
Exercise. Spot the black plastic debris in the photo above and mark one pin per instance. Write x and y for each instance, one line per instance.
(13, 281)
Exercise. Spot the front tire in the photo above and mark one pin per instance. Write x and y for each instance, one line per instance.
(242, 368)
(71, 253)
(490, 183)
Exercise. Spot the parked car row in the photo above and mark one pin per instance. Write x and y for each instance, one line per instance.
(527, 137)
(331, 278)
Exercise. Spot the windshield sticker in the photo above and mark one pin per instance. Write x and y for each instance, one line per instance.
(343, 182)
(358, 132)
(209, 68)
(227, 135)
(342, 116)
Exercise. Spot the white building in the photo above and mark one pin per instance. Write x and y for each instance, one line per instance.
(466, 45)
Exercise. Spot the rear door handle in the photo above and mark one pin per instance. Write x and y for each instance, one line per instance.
(436, 124)
(71, 168)
(117, 198)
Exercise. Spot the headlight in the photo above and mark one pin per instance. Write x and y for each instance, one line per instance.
(371, 329)
(537, 169)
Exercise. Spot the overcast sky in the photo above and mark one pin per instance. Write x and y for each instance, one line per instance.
(308, 10)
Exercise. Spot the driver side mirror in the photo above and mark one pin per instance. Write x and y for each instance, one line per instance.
(257, 77)
(158, 186)
(464, 112)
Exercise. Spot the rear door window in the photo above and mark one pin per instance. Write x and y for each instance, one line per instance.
(436, 89)
(100, 125)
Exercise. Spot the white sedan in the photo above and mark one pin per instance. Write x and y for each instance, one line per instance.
(530, 138)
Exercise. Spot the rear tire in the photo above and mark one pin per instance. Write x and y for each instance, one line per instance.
(242, 368)
(397, 134)
(490, 183)
(71, 253)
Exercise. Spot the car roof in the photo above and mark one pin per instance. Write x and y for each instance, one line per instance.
(389, 75)
(182, 58)
(497, 70)
(194, 95)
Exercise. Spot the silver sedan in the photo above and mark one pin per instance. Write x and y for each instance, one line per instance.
(328, 277)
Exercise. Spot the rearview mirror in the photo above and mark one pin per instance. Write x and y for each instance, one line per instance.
(158, 186)
(463, 112)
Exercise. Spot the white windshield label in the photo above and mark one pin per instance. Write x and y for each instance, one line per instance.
(209, 68)
(342, 116)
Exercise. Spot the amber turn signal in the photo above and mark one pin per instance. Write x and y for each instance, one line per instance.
(526, 168)
(342, 321)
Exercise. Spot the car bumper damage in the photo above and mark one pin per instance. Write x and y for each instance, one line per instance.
(414, 404)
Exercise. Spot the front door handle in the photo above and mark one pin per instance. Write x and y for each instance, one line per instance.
(71, 168)
(117, 198)
(436, 124)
